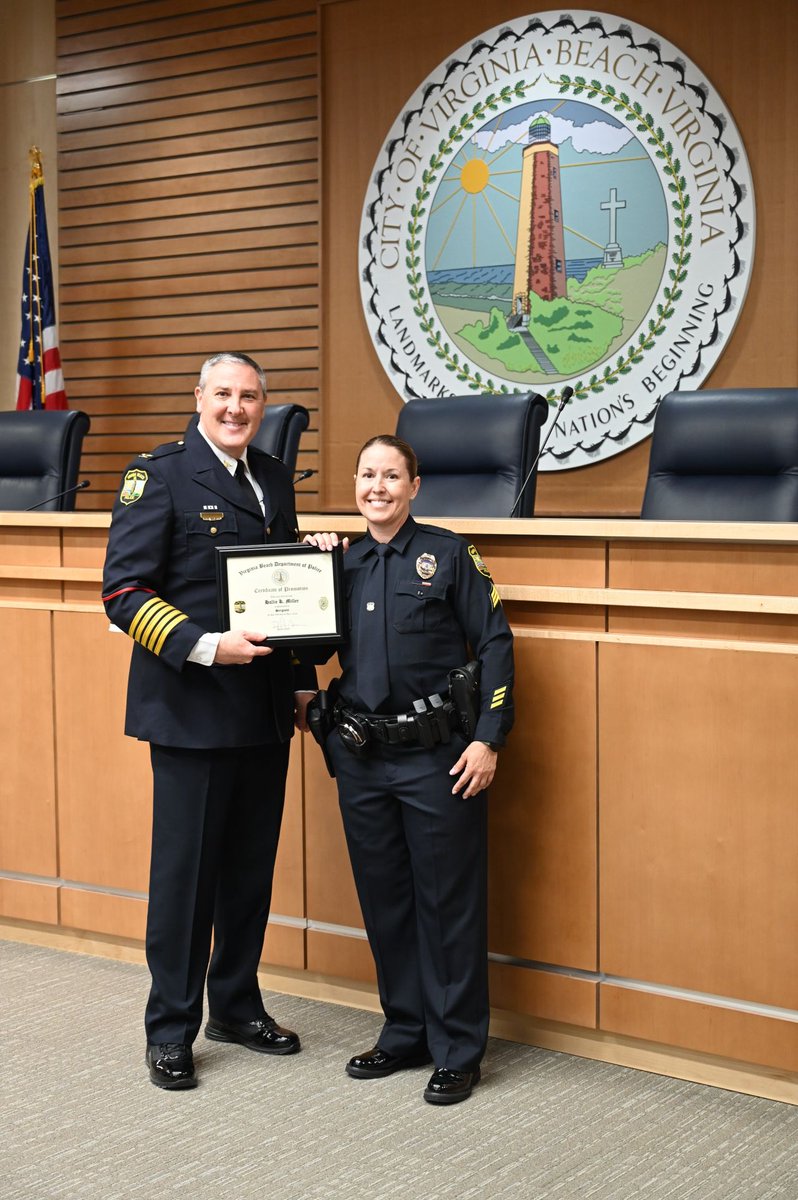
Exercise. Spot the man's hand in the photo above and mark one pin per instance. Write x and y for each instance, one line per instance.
(325, 541)
(301, 702)
(478, 766)
(239, 646)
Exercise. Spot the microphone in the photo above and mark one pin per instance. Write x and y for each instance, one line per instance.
(77, 488)
(566, 395)
(305, 475)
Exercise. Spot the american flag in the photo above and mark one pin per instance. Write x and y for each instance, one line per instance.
(40, 383)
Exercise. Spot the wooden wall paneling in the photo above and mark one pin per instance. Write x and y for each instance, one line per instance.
(547, 561)
(105, 786)
(103, 912)
(760, 570)
(543, 994)
(29, 900)
(542, 811)
(373, 59)
(288, 895)
(661, 623)
(331, 896)
(188, 218)
(699, 825)
(340, 956)
(27, 781)
(744, 1036)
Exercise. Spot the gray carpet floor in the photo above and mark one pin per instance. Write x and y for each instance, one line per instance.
(79, 1119)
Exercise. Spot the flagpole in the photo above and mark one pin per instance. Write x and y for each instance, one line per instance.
(36, 180)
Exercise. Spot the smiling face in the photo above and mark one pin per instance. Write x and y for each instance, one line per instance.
(230, 406)
(383, 490)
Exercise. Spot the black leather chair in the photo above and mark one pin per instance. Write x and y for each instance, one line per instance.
(280, 430)
(40, 457)
(727, 455)
(474, 453)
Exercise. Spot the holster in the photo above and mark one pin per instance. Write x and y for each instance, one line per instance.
(320, 719)
(464, 694)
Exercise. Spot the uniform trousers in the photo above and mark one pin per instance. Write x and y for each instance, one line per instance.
(419, 858)
(216, 824)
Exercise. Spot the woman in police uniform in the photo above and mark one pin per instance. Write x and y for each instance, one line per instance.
(414, 798)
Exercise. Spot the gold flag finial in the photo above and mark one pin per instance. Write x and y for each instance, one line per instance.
(36, 173)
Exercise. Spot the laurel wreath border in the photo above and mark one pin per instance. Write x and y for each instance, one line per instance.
(662, 148)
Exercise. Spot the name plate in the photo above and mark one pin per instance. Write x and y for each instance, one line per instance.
(293, 594)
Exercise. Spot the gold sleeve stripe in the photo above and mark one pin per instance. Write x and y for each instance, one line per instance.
(153, 623)
(177, 619)
(494, 596)
(498, 697)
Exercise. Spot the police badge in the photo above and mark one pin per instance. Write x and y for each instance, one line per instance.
(426, 565)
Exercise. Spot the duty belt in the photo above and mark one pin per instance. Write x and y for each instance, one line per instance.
(430, 722)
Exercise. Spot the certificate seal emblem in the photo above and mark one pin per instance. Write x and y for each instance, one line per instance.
(426, 565)
(240, 606)
(566, 200)
(324, 603)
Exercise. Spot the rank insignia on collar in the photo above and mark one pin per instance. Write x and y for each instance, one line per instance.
(133, 486)
(211, 516)
(426, 565)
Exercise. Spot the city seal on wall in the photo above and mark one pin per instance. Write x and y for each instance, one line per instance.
(565, 201)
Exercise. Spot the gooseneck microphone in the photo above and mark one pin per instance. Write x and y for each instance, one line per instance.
(305, 475)
(77, 488)
(565, 396)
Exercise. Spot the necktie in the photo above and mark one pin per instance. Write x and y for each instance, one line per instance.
(248, 493)
(372, 645)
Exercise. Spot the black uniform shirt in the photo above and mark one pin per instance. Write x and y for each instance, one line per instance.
(440, 600)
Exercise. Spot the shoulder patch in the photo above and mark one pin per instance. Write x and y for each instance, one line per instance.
(476, 559)
(133, 486)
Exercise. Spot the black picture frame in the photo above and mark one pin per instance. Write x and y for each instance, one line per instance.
(302, 600)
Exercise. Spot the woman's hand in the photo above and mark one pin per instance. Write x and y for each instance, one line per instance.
(478, 766)
(325, 541)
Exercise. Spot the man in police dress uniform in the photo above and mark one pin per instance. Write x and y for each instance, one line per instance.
(218, 710)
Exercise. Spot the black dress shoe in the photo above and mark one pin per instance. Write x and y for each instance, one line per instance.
(377, 1063)
(263, 1035)
(171, 1065)
(450, 1087)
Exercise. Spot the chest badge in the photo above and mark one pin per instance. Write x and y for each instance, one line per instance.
(211, 516)
(426, 565)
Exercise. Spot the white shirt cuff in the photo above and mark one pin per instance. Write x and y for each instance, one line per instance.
(205, 650)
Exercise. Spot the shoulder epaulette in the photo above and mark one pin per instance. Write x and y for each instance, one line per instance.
(436, 529)
(265, 454)
(164, 450)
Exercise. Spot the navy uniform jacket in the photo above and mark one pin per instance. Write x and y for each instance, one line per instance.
(159, 585)
(440, 600)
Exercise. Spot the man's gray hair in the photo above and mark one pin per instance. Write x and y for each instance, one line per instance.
(230, 356)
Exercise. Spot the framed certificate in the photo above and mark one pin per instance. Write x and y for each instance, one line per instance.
(293, 593)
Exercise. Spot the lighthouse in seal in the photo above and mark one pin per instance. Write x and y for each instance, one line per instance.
(540, 242)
